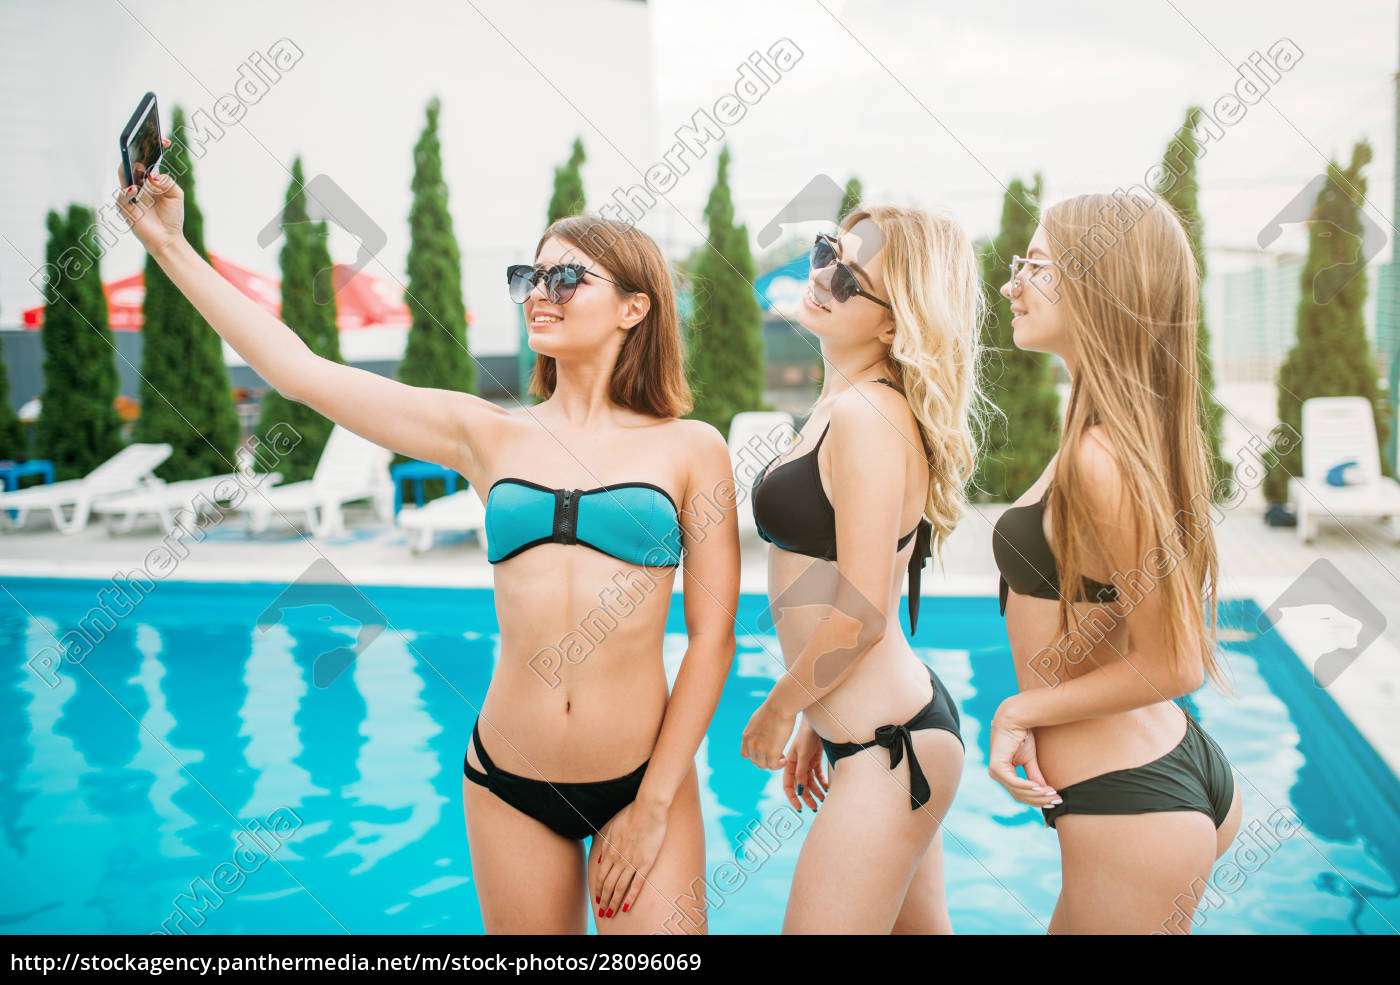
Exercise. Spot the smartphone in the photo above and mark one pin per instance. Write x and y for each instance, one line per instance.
(140, 141)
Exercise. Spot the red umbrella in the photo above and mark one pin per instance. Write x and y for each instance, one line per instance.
(362, 300)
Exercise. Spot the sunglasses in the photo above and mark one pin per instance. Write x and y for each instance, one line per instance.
(560, 280)
(844, 285)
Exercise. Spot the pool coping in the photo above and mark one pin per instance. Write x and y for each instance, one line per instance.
(1366, 692)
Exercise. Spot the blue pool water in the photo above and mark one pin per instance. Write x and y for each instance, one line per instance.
(127, 779)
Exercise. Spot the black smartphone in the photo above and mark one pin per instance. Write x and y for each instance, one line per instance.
(140, 141)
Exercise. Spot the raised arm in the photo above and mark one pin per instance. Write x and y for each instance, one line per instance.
(450, 428)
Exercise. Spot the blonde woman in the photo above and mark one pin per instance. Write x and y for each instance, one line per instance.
(573, 742)
(894, 299)
(1117, 620)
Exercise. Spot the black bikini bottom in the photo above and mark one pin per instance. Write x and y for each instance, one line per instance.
(940, 712)
(1194, 776)
(574, 810)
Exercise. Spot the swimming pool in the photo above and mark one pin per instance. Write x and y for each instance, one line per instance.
(123, 781)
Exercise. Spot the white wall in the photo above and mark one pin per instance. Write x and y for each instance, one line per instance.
(71, 73)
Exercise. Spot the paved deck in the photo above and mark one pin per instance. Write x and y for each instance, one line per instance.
(1257, 562)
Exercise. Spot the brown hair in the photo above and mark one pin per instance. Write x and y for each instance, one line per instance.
(649, 376)
(1132, 311)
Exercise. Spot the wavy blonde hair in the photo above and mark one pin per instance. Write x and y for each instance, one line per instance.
(1131, 301)
(934, 288)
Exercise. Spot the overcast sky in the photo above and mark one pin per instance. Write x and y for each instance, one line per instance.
(944, 103)
(930, 103)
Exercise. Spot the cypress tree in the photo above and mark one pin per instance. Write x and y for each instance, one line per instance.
(1332, 356)
(437, 354)
(1015, 450)
(186, 398)
(304, 252)
(725, 363)
(567, 199)
(12, 444)
(1179, 187)
(849, 199)
(78, 427)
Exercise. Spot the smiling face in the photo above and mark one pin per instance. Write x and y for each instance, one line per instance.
(588, 320)
(857, 319)
(1038, 318)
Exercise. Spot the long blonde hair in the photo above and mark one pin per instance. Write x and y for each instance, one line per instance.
(934, 288)
(1131, 301)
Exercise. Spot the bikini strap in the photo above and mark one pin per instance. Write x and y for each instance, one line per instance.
(923, 550)
(486, 765)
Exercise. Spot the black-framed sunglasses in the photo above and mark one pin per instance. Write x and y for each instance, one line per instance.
(560, 280)
(844, 285)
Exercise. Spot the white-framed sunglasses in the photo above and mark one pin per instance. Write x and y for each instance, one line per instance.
(1019, 262)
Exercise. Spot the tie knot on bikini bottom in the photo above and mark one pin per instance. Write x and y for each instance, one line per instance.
(896, 738)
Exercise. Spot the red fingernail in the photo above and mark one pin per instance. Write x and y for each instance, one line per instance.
(624, 907)
(597, 899)
(600, 911)
(610, 913)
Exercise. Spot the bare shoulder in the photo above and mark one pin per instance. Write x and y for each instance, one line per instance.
(700, 440)
(874, 417)
(705, 455)
(1097, 461)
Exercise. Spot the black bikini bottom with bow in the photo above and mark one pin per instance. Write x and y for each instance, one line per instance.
(940, 712)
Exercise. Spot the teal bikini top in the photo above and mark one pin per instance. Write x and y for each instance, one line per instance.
(633, 521)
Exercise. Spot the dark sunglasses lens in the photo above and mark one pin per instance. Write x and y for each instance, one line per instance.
(562, 282)
(521, 280)
(843, 284)
(823, 253)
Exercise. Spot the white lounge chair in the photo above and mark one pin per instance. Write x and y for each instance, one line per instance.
(755, 439)
(189, 499)
(351, 468)
(461, 510)
(131, 468)
(1337, 430)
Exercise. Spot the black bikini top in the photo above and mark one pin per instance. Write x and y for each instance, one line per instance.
(1026, 561)
(791, 511)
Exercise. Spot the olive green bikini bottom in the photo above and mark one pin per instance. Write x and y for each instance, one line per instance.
(1194, 776)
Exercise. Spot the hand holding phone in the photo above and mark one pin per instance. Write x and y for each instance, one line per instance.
(140, 142)
(160, 221)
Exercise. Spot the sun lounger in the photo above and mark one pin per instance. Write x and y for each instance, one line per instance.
(351, 468)
(458, 511)
(1339, 437)
(129, 469)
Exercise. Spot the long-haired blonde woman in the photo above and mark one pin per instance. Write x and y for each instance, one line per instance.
(578, 737)
(894, 299)
(1116, 621)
